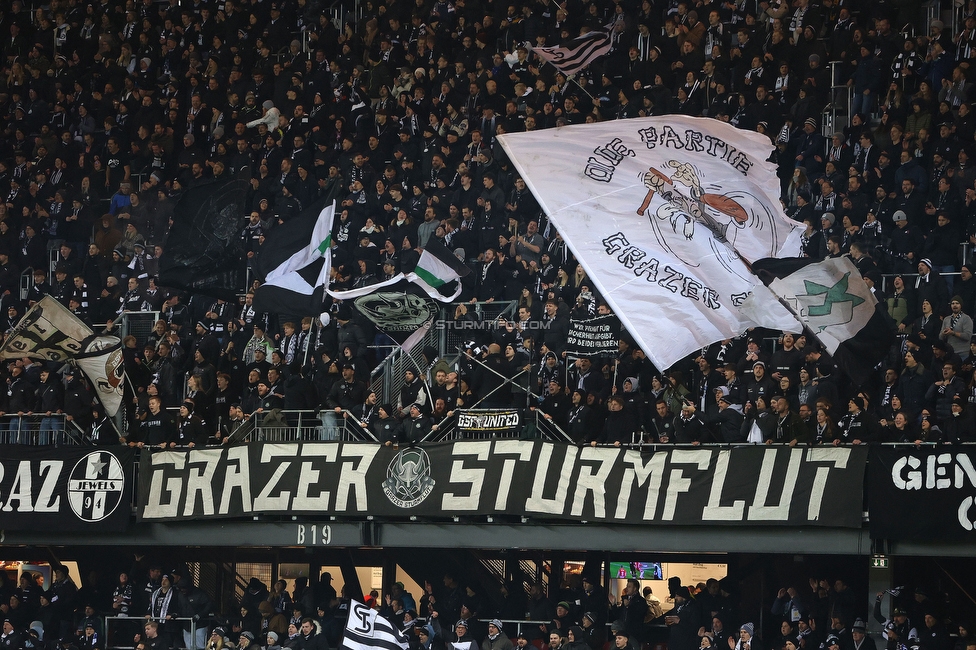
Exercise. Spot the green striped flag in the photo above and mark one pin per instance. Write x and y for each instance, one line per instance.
(291, 287)
(438, 267)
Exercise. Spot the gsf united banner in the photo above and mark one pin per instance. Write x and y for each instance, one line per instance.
(818, 486)
(489, 422)
(65, 488)
(922, 493)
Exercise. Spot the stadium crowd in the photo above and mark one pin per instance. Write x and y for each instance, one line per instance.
(111, 109)
(576, 614)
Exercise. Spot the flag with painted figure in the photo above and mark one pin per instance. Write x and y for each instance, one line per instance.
(665, 215)
(101, 361)
(580, 52)
(49, 331)
(836, 305)
(367, 630)
(295, 261)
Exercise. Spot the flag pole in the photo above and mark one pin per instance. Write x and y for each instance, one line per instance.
(507, 381)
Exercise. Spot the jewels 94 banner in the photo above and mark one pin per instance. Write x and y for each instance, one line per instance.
(771, 486)
(66, 488)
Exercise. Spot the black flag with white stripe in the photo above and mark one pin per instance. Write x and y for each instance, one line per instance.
(367, 630)
(579, 52)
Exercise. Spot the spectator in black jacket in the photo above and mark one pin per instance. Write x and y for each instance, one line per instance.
(190, 428)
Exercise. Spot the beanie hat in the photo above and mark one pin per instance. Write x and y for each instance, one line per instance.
(748, 627)
(927, 262)
(273, 636)
(899, 216)
(858, 402)
(829, 217)
(497, 623)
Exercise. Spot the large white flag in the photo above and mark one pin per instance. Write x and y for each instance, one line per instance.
(662, 212)
(48, 331)
(51, 332)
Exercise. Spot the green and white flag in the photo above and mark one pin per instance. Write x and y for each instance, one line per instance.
(286, 274)
(830, 298)
(438, 273)
(438, 267)
(296, 285)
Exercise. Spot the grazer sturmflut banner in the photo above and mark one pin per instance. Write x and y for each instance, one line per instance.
(819, 486)
(922, 493)
(65, 488)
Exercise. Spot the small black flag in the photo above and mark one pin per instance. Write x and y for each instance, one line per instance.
(204, 252)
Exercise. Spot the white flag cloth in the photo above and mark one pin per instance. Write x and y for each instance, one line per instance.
(367, 630)
(102, 362)
(48, 331)
(830, 297)
(658, 211)
(286, 275)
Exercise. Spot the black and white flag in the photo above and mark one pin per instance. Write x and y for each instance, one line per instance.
(579, 52)
(367, 630)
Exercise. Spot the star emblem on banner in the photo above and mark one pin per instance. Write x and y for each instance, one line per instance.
(835, 294)
(97, 466)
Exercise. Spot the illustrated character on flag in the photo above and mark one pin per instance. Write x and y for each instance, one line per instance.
(682, 210)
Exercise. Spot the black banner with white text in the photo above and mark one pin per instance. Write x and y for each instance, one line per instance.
(65, 488)
(597, 335)
(922, 493)
(474, 422)
(820, 486)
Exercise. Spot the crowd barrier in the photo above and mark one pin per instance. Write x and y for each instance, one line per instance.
(120, 632)
(40, 429)
(281, 425)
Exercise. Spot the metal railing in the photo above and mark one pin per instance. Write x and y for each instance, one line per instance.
(116, 639)
(541, 428)
(139, 324)
(40, 429)
(387, 377)
(300, 426)
(909, 278)
(839, 113)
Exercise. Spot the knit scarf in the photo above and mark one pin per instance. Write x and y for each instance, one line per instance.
(167, 596)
